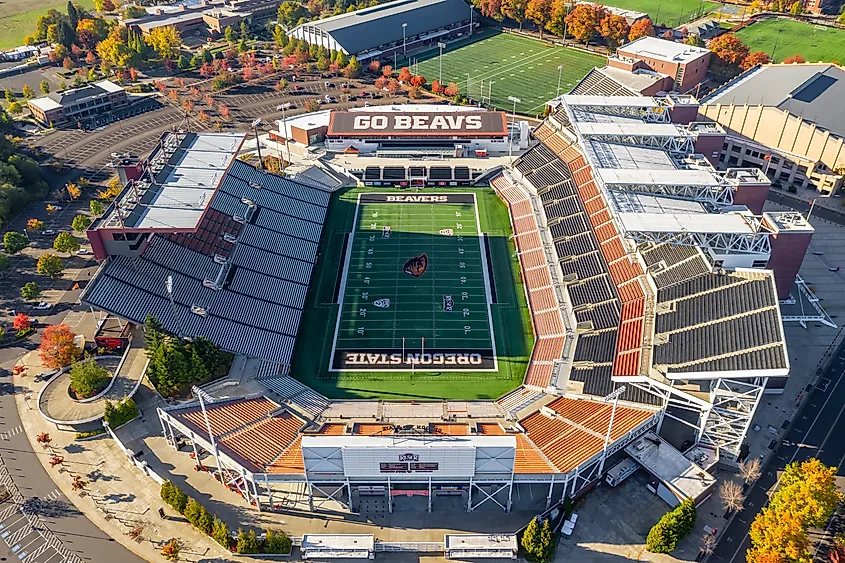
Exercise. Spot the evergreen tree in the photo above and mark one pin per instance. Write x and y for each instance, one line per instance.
(72, 14)
(207, 56)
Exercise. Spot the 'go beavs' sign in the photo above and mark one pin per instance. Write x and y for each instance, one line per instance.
(362, 124)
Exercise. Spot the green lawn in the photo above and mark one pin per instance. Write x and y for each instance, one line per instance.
(823, 44)
(517, 66)
(668, 13)
(14, 27)
(414, 309)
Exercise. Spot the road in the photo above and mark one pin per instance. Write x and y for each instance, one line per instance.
(816, 433)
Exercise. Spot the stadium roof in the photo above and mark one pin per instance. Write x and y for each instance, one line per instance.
(240, 283)
(610, 81)
(663, 50)
(683, 477)
(363, 30)
(811, 91)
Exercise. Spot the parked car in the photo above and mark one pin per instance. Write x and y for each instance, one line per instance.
(49, 232)
(42, 306)
(83, 252)
(330, 100)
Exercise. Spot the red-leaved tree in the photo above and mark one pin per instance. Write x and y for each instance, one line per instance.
(57, 348)
(21, 321)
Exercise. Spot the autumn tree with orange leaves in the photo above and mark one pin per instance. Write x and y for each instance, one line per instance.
(584, 21)
(57, 348)
(614, 29)
(641, 28)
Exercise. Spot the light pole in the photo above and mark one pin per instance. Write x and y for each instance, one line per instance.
(515, 101)
(404, 41)
(442, 46)
(468, 86)
(613, 396)
(490, 94)
(559, 75)
(775, 47)
(285, 132)
(255, 125)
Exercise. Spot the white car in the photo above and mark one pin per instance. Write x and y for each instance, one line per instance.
(49, 232)
(42, 306)
(83, 252)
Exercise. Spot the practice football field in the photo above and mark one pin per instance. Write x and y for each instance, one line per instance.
(517, 66)
(788, 37)
(415, 293)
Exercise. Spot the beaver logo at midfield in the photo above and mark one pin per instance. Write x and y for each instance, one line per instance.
(416, 266)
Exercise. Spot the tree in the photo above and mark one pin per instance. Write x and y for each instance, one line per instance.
(778, 537)
(437, 87)
(490, 8)
(9, 95)
(730, 492)
(537, 541)
(794, 59)
(165, 40)
(87, 379)
(66, 242)
(515, 10)
(279, 36)
(244, 30)
(386, 71)
(50, 265)
(15, 108)
(693, 41)
(113, 49)
(14, 242)
(404, 75)
(96, 208)
(44, 87)
(21, 322)
(31, 290)
(797, 8)
(73, 191)
(290, 12)
(414, 93)
(418, 81)
(750, 470)
(374, 67)
(754, 59)
(808, 490)
(729, 49)
(230, 35)
(671, 528)
(44, 439)
(276, 542)
(247, 542)
(452, 89)
(28, 92)
(353, 69)
(393, 86)
(170, 551)
(34, 224)
(540, 12)
(584, 21)
(641, 28)
(614, 29)
(82, 222)
(220, 533)
(58, 348)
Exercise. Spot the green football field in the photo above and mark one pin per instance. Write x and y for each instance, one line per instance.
(516, 66)
(415, 282)
(788, 37)
(666, 13)
(367, 348)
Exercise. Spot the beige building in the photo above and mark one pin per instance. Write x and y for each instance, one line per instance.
(787, 119)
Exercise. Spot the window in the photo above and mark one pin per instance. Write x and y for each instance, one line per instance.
(759, 263)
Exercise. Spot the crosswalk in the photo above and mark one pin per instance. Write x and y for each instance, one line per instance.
(8, 434)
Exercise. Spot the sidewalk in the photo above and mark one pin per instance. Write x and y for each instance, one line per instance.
(118, 498)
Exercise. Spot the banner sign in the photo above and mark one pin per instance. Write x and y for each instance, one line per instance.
(470, 124)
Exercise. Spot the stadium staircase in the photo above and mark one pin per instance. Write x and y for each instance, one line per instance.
(294, 393)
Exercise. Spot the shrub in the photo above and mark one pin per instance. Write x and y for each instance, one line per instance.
(205, 521)
(90, 433)
(538, 541)
(87, 379)
(171, 550)
(247, 542)
(277, 542)
(671, 528)
(220, 533)
(119, 415)
(193, 511)
(174, 497)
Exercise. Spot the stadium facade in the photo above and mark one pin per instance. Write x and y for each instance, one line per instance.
(390, 29)
(652, 280)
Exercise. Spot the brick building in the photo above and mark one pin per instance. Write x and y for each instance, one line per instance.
(78, 104)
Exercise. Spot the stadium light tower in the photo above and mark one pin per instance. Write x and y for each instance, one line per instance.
(442, 46)
(255, 125)
(613, 396)
(515, 101)
(559, 74)
(285, 125)
(404, 41)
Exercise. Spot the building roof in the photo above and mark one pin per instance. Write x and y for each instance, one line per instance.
(55, 100)
(369, 28)
(811, 91)
(630, 15)
(662, 50)
(683, 477)
(260, 268)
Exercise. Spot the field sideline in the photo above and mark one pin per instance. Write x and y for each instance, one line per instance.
(824, 44)
(510, 317)
(517, 66)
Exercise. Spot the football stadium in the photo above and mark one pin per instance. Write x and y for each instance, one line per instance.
(649, 280)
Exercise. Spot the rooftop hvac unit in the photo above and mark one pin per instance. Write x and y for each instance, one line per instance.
(255, 185)
(197, 310)
(247, 201)
(548, 412)
(239, 219)
(211, 284)
(219, 258)
(229, 237)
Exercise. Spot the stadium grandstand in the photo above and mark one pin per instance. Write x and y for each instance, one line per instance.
(657, 262)
(389, 29)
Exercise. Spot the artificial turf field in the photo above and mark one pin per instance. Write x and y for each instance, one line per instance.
(672, 13)
(417, 306)
(815, 44)
(517, 66)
